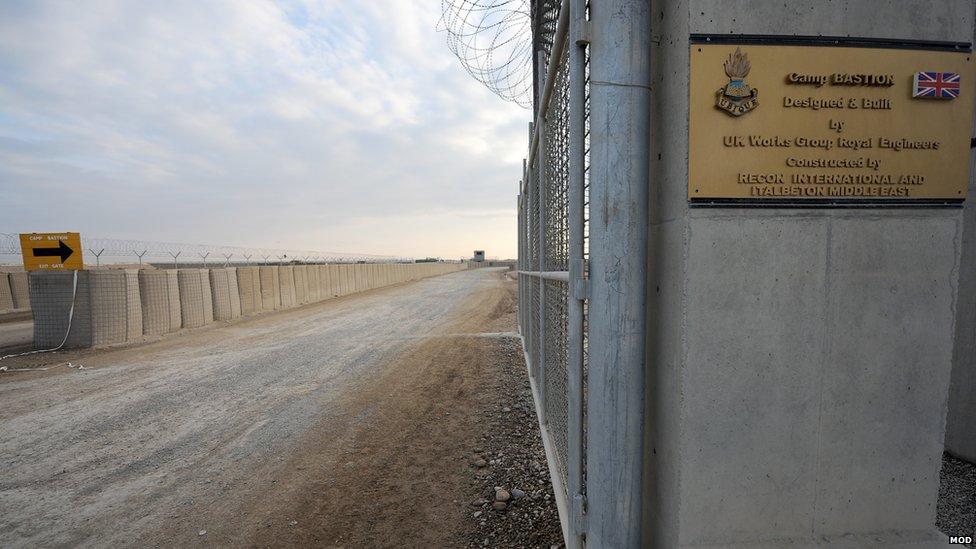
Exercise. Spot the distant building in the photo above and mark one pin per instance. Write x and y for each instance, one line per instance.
(479, 256)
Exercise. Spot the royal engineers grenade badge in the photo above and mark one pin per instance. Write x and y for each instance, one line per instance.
(736, 97)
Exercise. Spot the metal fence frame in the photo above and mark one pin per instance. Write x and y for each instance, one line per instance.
(582, 292)
(551, 268)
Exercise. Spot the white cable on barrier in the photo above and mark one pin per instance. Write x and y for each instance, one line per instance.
(71, 314)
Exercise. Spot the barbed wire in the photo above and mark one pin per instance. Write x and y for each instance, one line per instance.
(113, 250)
(493, 41)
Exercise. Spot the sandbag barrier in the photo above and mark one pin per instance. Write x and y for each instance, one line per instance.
(114, 306)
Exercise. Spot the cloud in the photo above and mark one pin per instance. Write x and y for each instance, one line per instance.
(313, 125)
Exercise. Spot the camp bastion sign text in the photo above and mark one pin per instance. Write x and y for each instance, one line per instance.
(829, 123)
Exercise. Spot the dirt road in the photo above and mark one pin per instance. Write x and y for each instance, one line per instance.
(16, 336)
(345, 423)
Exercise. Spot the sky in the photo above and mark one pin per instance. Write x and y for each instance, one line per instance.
(328, 125)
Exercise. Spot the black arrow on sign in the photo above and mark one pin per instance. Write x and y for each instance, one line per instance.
(62, 250)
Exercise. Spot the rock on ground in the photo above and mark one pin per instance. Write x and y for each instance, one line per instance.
(516, 459)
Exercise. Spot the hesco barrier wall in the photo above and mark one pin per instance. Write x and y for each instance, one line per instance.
(333, 280)
(160, 296)
(6, 296)
(286, 286)
(225, 293)
(118, 306)
(342, 279)
(324, 284)
(196, 302)
(249, 285)
(270, 288)
(107, 308)
(20, 290)
(312, 290)
(53, 301)
(301, 284)
(116, 311)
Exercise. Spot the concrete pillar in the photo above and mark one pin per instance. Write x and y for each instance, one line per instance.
(797, 359)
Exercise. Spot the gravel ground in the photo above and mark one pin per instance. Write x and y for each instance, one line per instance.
(509, 463)
(273, 424)
(957, 498)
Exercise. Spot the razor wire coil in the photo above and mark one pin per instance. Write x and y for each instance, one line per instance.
(493, 41)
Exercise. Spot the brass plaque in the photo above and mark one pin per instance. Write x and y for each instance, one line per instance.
(827, 123)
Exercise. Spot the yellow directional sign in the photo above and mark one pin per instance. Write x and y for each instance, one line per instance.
(51, 251)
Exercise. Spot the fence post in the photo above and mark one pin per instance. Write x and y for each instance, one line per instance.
(524, 266)
(540, 155)
(620, 145)
(577, 282)
(518, 262)
(531, 262)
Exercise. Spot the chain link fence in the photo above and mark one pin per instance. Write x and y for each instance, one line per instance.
(553, 204)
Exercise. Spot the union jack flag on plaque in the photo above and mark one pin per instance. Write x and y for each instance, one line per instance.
(936, 85)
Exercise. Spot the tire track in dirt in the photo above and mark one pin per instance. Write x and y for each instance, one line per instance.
(395, 471)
